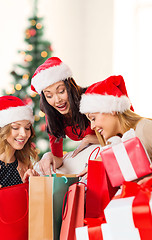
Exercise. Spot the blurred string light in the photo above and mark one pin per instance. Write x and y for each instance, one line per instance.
(28, 58)
(10, 89)
(30, 92)
(25, 76)
(22, 52)
(18, 87)
(30, 47)
(30, 32)
(33, 22)
(33, 94)
(36, 118)
(38, 25)
(28, 35)
(42, 144)
(44, 54)
(41, 114)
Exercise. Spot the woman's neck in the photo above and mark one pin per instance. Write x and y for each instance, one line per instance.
(9, 159)
(68, 119)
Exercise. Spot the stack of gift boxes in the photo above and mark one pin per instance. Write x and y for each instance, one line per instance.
(125, 212)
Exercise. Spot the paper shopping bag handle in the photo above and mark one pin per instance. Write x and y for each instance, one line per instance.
(26, 212)
(98, 150)
(67, 194)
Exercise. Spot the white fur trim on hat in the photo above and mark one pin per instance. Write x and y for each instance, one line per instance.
(14, 114)
(50, 76)
(91, 103)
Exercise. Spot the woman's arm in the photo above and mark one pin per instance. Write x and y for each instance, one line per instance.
(53, 158)
(88, 139)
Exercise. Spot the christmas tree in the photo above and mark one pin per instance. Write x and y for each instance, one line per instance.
(37, 51)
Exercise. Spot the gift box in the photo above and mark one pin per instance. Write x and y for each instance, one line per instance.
(125, 159)
(94, 233)
(128, 215)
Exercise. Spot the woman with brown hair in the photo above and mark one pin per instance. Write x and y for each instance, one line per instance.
(16, 133)
(60, 98)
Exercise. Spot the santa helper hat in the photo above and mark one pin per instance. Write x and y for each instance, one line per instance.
(106, 96)
(51, 71)
(13, 109)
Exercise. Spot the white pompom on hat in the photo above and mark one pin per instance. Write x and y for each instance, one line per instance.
(107, 96)
(51, 71)
(13, 109)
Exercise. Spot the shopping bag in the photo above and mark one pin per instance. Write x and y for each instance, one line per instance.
(45, 206)
(74, 212)
(14, 212)
(99, 189)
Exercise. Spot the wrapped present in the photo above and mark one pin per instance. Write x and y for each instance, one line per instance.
(125, 159)
(128, 215)
(94, 233)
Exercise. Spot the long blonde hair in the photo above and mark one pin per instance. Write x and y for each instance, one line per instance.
(24, 155)
(128, 119)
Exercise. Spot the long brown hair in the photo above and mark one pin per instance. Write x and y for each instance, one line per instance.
(24, 155)
(56, 121)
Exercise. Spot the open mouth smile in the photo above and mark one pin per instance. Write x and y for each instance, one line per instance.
(20, 140)
(62, 107)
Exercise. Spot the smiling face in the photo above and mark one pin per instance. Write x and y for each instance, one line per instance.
(106, 124)
(57, 96)
(19, 135)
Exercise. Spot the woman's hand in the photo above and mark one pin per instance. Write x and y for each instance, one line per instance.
(29, 173)
(86, 141)
(45, 163)
(83, 174)
(47, 160)
(145, 179)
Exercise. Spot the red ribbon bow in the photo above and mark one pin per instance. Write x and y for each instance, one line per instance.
(141, 211)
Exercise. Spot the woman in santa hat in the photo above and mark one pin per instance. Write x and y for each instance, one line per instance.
(106, 104)
(16, 133)
(60, 98)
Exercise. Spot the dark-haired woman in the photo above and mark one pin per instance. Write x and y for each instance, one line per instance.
(60, 98)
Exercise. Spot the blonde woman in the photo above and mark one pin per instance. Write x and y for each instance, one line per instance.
(16, 133)
(107, 106)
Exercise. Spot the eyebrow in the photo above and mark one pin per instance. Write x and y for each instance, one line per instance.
(20, 124)
(62, 84)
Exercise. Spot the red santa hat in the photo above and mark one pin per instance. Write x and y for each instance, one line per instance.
(106, 96)
(13, 109)
(50, 72)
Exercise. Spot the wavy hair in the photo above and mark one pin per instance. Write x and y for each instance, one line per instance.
(24, 155)
(128, 119)
(57, 121)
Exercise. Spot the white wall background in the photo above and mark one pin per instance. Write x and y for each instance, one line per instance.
(96, 38)
(132, 50)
